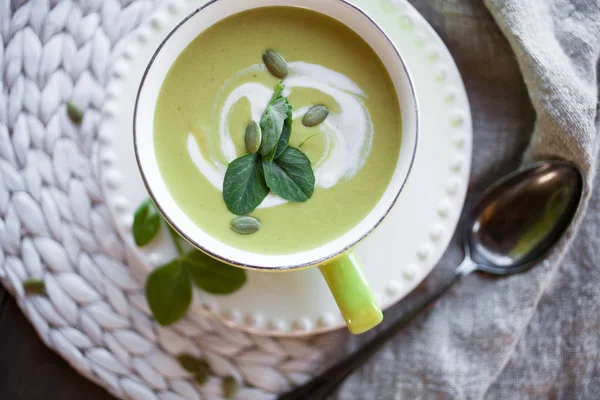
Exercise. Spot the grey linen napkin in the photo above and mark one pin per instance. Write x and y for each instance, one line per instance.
(531, 71)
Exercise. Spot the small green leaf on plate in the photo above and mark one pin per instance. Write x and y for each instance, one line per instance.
(315, 116)
(253, 137)
(244, 187)
(74, 113)
(213, 276)
(169, 292)
(146, 223)
(275, 64)
(290, 176)
(230, 387)
(245, 225)
(34, 286)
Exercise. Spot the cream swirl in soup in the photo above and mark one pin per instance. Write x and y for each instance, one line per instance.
(347, 133)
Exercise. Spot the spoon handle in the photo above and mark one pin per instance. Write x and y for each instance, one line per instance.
(324, 385)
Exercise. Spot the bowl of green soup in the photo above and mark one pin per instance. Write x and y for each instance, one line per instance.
(275, 135)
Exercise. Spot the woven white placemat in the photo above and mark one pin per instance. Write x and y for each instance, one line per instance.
(55, 226)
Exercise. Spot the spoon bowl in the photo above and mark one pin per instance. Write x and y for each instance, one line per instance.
(522, 216)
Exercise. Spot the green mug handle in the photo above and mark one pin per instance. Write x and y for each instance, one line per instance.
(352, 293)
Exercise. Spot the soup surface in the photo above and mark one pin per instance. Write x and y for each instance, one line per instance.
(219, 83)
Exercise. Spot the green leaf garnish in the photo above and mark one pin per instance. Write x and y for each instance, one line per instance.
(196, 366)
(169, 292)
(146, 223)
(169, 287)
(230, 387)
(271, 124)
(213, 276)
(74, 113)
(284, 139)
(34, 286)
(201, 376)
(244, 187)
(290, 176)
(277, 92)
(188, 362)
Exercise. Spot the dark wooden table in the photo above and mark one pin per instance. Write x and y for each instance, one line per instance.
(31, 371)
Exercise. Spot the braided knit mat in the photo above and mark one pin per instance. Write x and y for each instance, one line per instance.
(55, 226)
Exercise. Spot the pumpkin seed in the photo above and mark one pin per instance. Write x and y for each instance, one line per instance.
(74, 113)
(230, 387)
(275, 64)
(315, 116)
(34, 286)
(245, 225)
(253, 137)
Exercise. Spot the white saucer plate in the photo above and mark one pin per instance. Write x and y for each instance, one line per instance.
(396, 257)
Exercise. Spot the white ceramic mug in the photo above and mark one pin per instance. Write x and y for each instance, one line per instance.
(339, 267)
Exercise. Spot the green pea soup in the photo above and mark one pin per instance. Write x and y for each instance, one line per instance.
(219, 81)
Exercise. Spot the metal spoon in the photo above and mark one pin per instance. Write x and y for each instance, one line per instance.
(514, 224)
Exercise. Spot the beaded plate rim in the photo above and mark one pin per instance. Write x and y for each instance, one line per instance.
(430, 250)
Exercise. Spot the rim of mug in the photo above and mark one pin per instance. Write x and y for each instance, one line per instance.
(414, 110)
